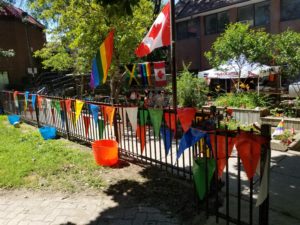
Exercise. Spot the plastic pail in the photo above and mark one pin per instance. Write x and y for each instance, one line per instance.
(48, 132)
(105, 152)
(13, 119)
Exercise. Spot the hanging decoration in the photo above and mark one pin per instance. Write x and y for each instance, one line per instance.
(78, 107)
(170, 119)
(56, 105)
(143, 116)
(160, 74)
(86, 121)
(186, 116)
(167, 135)
(219, 151)
(190, 138)
(159, 34)
(142, 69)
(26, 95)
(148, 72)
(131, 70)
(40, 102)
(95, 112)
(132, 113)
(33, 100)
(279, 130)
(156, 118)
(16, 98)
(203, 175)
(101, 127)
(248, 146)
(109, 112)
(141, 135)
(102, 61)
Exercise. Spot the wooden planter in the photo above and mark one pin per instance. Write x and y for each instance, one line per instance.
(245, 116)
(288, 122)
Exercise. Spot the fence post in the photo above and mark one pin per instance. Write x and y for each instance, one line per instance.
(66, 118)
(265, 158)
(116, 126)
(37, 112)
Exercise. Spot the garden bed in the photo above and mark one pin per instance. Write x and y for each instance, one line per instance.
(289, 123)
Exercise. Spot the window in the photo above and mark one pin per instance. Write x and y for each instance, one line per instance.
(290, 9)
(216, 23)
(188, 29)
(255, 14)
(3, 79)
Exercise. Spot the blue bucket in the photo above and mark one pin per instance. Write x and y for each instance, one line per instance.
(48, 132)
(13, 119)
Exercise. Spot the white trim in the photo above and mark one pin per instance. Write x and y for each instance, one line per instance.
(250, 2)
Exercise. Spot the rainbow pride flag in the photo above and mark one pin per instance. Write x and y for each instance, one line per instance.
(102, 61)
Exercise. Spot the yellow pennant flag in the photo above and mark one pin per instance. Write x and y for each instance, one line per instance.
(78, 108)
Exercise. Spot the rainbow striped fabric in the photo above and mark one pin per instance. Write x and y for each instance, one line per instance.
(102, 61)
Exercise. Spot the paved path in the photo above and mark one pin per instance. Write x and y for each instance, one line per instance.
(40, 208)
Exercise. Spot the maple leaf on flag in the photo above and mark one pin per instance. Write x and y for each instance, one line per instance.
(159, 34)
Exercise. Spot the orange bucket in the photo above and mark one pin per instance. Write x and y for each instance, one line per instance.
(105, 152)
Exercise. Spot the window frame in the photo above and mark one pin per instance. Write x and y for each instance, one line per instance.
(218, 31)
(284, 19)
(186, 33)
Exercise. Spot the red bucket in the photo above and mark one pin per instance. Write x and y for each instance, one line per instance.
(105, 152)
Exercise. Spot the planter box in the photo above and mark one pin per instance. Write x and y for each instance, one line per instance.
(288, 122)
(278, 146)
(245, 116)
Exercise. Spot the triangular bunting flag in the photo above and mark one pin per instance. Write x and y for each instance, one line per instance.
(109, 112)
(141, 135)
(33, 99)
(143, 116)
(86, 121)
(40, 102)
(26, 95)
(16, 99)
(200, 175)
(56, 105)
(156, 118)
(95, 111)
(101, 127)
(53, 115)
(62, 116)
(78, 107)
(170, 120)
(122, 113)
(190, 138)
(249, 148)
(132, 113)
(48, 103)
(68, 105)
(186, 116)
(221, 150)
(167, 135)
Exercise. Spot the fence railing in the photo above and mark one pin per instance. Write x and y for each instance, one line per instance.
(228, 194)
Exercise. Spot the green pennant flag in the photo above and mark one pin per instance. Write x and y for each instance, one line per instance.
(143, 115)
(156, 118)
(200, 175)
(56, 105)
(101, 126)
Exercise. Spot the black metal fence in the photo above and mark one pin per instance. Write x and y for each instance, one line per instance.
(230, 196)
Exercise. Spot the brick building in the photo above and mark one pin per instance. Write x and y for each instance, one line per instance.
(200, 22)
(24, 34)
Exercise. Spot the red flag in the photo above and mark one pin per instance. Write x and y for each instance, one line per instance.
(170, 120)
(159, 34)
(186, 116)
(141, 134)
(221, 150)
(86, 120)
(160, 74)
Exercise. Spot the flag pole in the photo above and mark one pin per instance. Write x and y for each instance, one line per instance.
(173, 58)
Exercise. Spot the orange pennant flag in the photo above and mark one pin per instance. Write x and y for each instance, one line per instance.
(68, 105)
(249, 149)
(86, 120)
(109, 112)
(186, 116)
(40, 101)
(141, 134)
(221, 150)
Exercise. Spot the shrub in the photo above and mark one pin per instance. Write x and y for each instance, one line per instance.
(247, 100)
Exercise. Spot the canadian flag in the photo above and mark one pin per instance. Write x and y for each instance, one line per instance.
(160, 74)
(159, 34)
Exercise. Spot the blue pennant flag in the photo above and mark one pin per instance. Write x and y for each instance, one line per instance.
(62, 116)
(95, 110)
(167, 135)
(190, 138)
(33, 99)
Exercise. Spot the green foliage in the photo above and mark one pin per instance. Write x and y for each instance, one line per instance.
(249, 100)
(234, 125)
(238, 39)
(191, 91)
(287, 52)
(29, 161)
(7, 53)
(286, 137)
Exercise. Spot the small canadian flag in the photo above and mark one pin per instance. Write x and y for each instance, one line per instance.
(159, 34)
(160, 74)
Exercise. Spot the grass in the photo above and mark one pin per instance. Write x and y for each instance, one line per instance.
(27, 161)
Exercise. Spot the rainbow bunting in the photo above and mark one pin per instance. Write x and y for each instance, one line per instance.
(101, 62)
(279, 129)
(148, 72)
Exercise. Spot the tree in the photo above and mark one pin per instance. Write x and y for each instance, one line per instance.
(287, 53)
(239, 40)
(80, 28)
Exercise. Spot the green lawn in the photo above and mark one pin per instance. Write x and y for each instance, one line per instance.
(27, 161)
